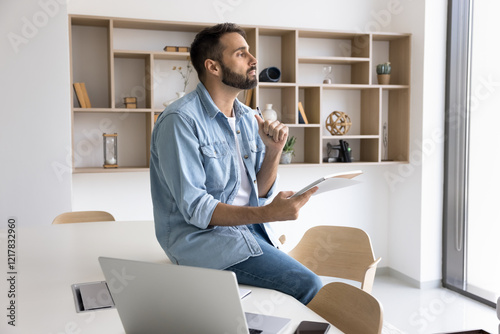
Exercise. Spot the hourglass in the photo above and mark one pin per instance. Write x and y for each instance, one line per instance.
(110, 143)
(327, 71)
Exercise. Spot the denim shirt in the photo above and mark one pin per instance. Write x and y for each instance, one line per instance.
(193, 167)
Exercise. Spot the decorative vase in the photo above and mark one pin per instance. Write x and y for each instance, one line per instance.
(286, 157)
(383, 79)
(269, 113)
(179, 95)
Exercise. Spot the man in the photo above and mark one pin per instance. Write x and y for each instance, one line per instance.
(214, 165)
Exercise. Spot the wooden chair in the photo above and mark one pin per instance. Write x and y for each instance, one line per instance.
(83, 217)
(338, 251)
(348, 308)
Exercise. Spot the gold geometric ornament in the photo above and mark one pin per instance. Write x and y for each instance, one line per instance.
(338, 123)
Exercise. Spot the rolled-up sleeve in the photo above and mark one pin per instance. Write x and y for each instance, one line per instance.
(270, 193)
(180, 162)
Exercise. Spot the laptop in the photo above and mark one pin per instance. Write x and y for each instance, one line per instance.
(168, 298)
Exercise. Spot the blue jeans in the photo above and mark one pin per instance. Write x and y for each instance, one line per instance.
(277, 270)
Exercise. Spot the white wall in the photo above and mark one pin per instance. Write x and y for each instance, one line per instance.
(433, 139)
(35, 139)
(419, 213)
(398, 216)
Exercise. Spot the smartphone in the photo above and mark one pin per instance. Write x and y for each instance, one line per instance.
(312, 327)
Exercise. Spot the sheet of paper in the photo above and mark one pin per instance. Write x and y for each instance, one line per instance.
(332, 182)
(244, 292)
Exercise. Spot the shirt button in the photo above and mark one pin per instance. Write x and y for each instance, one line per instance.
(238, 131)
(255, 181)
(246, 156)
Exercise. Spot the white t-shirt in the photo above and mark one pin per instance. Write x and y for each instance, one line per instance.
(243, 196)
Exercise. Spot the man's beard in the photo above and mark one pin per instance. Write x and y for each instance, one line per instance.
(236, 80)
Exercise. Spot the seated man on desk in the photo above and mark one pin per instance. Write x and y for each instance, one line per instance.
(214, 164)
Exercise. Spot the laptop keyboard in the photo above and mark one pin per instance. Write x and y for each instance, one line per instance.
(254, 331)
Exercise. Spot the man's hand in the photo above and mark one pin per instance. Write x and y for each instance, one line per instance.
(273, 134)
(285, 208)
(280, 209)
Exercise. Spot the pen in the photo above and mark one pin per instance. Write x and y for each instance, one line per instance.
(260, 114)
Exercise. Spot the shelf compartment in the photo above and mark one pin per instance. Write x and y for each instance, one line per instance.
(310, 97)
(168, 82)
(91, 65)
(277, 47)
(152, 40)
(397, 116)
(396, 49)
(308, 144)
(349, 71)
(132, 73)
(283, 98)
(362, 105)
(133, 129)
(365, 149)
(333, 44)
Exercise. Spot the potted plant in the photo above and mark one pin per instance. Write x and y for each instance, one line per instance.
(384, 73)
(288, 151)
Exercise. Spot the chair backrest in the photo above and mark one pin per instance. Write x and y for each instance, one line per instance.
(338, 251)
(348, 308)
(83, 217)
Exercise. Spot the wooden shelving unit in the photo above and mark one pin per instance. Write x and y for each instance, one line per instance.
(117, 58)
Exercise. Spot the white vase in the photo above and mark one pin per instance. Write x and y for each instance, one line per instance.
(286, 157)
(179, 95)
(269, 113)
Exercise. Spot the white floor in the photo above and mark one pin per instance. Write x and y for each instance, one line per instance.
(439, 310)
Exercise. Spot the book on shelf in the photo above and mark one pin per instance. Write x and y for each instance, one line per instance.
(82, 95)
(302, 115)
(86, 95)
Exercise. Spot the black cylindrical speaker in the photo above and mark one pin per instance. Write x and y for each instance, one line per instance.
(270, 74)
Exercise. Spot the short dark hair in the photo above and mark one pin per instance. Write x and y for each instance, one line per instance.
(206, 45)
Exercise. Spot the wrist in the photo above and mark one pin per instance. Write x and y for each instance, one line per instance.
(273, 151)
(263, 214)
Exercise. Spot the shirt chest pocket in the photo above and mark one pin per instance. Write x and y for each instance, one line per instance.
(217, 161)
(256, 149)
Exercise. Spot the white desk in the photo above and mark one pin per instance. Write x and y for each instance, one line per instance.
(52, 258)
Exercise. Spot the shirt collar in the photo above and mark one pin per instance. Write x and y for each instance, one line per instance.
(239, 108)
